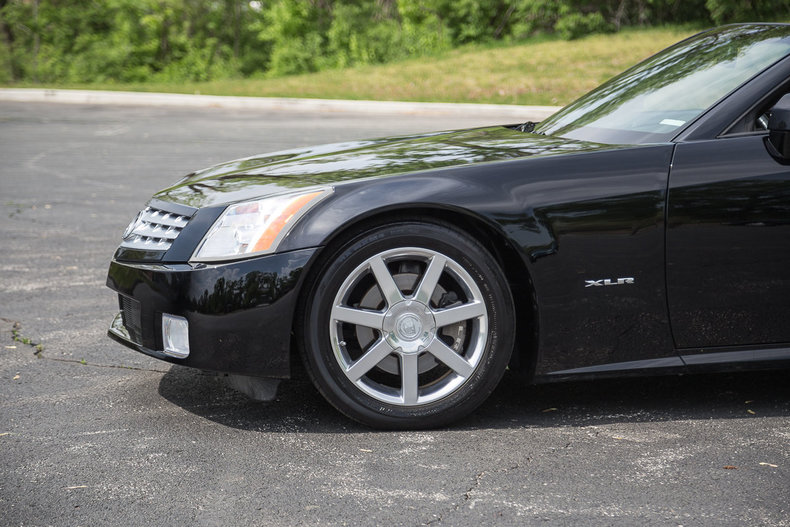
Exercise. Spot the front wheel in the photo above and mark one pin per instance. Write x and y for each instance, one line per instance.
(410, 325)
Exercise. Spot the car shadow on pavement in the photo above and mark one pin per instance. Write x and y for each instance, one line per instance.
(300, 408)
(648, 399)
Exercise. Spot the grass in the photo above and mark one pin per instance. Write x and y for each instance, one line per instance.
(17, 336)
(541, 72)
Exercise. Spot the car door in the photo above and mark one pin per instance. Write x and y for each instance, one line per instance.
(728, 247)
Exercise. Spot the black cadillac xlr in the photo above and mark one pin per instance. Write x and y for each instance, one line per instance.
(644, 228)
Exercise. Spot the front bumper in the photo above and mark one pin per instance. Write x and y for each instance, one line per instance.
(240, 314)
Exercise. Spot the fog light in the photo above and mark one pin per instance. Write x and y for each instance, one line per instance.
(175, 336)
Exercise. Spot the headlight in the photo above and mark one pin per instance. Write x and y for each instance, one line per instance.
(255, 227)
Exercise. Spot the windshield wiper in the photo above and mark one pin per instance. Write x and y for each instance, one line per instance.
(528, 127)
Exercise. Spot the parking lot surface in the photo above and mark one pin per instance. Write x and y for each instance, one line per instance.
(92, 433)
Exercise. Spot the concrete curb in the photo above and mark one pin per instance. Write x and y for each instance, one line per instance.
(512, 112)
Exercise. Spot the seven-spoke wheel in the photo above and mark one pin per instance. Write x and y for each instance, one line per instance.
(411, 326)
(409, 323)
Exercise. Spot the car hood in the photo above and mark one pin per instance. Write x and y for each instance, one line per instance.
(336, 163)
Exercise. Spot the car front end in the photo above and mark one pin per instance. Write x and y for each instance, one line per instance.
(194, 289)
(208, 273)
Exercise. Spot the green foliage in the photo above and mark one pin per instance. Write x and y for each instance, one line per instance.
(458, 21)
(84, 41)
(355, 36)
(575, 25)
(727, 11)
(128, 40)
(536, 16)
(294, 31)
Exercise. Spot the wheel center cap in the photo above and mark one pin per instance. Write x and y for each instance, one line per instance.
(409, 326)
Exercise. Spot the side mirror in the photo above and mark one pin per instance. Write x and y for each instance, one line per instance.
(779, 128)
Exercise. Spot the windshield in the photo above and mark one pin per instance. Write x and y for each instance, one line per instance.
(650, 102)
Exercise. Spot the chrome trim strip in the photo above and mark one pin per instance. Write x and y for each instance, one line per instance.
(754, 355)
(664, 362)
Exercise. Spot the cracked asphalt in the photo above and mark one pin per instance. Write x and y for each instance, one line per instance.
(92, 433)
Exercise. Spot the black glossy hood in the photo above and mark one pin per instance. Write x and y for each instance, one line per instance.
(336, 163)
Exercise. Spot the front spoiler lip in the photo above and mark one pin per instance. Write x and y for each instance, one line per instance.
(120, 334)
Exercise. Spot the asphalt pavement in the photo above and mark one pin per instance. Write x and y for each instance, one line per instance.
(92, 433)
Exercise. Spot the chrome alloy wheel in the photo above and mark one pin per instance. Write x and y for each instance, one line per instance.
(408, 326)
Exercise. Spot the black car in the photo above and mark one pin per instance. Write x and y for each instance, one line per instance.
(645, 228)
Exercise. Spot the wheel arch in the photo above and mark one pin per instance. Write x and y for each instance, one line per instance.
(485, 232)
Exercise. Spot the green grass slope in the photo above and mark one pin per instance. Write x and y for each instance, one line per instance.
(541, 72)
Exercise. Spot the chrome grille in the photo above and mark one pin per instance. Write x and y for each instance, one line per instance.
(153, 230)
(132, 317)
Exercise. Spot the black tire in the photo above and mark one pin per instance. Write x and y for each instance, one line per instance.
(443, 298)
